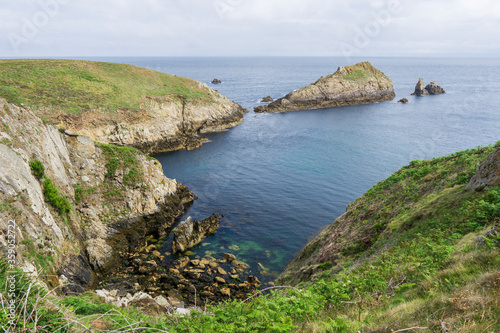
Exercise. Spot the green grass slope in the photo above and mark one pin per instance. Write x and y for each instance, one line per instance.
(405, 257)
(74, 86)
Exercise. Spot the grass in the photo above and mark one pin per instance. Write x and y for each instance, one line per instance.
(50, 192)
(124, 159)
(73, 86)
(357, 75)
(403, 258)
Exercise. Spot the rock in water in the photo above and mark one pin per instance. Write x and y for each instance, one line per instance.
(431, 89)
(403, 100)
(267, 99)
(358, 84)
(216, 81)
(420, 88)
(434, 89)
(260, 109)
(190, 233)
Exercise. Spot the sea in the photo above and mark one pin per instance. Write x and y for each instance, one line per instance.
(280, 178)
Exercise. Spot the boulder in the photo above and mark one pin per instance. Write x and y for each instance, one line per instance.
(191, 232)
(267, 99)
(260, 109)
(229, 256)
(357, 84)
(403, 100)
(488, 173)
(254, 281)
(225, 292)
(216, 81)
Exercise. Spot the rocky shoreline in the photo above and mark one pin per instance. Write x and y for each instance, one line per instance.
(184, 282)
(164, 124)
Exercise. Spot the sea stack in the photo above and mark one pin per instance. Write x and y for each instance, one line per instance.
(358, 84)
(431, 89)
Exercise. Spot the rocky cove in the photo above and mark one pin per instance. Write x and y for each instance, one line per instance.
(110, 240)
(88, 205)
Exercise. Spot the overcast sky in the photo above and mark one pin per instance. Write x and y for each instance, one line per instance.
(250, 28)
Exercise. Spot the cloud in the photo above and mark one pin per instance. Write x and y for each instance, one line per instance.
(251, 27)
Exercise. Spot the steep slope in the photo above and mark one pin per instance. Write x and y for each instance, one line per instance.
(71, 199)
(388, 209)
(118, 104)
(417, 252)
(357, 84)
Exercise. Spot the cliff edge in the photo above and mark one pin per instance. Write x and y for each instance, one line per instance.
(117, 103)
(357, 84)
(73, 204)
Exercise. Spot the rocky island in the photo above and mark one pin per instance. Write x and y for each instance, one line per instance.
(119, 104)
(357, 84)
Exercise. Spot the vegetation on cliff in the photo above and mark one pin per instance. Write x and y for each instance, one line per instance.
(118, 104)
(357, 84)
(409, 255)
(74, 86)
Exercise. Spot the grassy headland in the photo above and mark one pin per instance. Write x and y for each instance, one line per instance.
(73, 86)
(404, 257)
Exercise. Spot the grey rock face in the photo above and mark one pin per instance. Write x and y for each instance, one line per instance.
(488, 173)
(77, 242)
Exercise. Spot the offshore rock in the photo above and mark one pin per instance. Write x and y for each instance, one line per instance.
(358, 84)
(191, 232)
(431, 89)
(267, 99)
(488, 173)
(434, 89)
(403, 100)
(420, 88)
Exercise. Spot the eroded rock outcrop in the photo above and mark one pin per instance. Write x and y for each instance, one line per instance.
(358, 84)
(431, 89)
(488, 173)
(114, 195)
(191, 232)
(164, 123)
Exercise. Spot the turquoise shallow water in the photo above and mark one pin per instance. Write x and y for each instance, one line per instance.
(280, 178)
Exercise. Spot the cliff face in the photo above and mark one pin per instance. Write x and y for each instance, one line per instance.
(488, 173)
(104, 195)
(164, 123)
(358, 84)
(117, 103)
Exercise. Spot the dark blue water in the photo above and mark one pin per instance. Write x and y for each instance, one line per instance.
(280, 178)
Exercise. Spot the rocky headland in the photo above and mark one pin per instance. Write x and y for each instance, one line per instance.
(119, 104)
(84, 199)
(357, 84)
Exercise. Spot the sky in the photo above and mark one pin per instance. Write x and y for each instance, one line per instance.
(424, 28)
